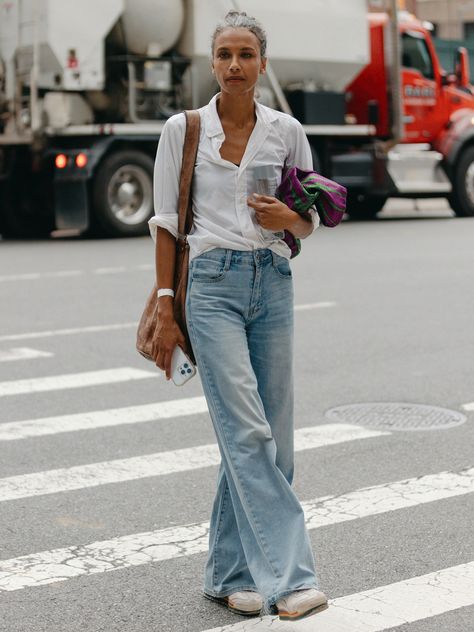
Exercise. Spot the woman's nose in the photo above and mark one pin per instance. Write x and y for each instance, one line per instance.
(234, 64)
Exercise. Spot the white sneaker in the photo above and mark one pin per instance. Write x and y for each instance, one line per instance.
(246, 602)
(301, 603)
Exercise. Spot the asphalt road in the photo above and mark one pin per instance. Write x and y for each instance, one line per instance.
(105, 489)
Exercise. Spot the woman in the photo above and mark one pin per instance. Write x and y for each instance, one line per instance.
(240, 320)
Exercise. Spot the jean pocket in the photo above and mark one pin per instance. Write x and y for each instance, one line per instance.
(281, 265)
(208, 270)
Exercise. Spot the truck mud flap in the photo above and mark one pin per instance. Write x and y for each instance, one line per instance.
(362, 171)
(71, 204)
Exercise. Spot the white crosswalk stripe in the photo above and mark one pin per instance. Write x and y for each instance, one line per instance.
(23, 353)
(71, 331)
(141, 548)
(53, 333)
(383, 607)
(74, 380)
(101, 418)
(158, 464)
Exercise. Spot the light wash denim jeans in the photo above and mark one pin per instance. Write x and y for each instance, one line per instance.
(240, 320)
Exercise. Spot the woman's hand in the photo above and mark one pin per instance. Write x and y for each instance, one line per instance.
(275, 215)
(271, 213)
(167, 335)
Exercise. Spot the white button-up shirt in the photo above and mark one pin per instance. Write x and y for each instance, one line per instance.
(222, 218)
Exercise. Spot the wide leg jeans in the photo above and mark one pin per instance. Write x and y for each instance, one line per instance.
(240, 320)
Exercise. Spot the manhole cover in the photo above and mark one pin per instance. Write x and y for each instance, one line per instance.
(389, 416)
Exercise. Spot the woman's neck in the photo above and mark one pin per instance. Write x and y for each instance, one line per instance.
(238, 111)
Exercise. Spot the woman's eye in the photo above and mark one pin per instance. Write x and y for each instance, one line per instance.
(223, 55)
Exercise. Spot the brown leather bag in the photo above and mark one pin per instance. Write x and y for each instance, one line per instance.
(149, 319)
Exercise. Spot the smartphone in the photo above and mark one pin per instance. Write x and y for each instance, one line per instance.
(182, 368)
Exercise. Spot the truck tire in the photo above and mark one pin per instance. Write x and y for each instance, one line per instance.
(123, 195)
(364, 207)
(461, 198)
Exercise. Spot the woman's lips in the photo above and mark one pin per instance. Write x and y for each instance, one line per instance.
(236, 79)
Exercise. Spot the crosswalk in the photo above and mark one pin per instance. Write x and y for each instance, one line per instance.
(386, 606)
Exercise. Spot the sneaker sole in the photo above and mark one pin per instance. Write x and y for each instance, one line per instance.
(288, 616)
(224, 601)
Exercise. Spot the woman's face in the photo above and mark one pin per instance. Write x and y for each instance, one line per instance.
(236, 61)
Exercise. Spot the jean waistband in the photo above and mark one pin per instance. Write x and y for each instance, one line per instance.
(259, 255)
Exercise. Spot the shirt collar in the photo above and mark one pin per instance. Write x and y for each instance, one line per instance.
(213, 123)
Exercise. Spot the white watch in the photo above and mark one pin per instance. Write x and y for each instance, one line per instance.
(165, 292)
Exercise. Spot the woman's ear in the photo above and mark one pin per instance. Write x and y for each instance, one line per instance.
(263, 66)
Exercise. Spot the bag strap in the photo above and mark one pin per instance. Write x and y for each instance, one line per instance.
(190, 147)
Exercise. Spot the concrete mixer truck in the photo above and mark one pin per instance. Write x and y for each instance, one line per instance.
(85, 88)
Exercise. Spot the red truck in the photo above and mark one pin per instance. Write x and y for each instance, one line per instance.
(435, 151)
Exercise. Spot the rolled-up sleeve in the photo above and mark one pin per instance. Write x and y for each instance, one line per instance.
(166, 176)
(299, 155)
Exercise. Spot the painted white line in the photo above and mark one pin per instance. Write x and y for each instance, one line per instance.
(321, 305)
(33, 276)
(115, 270)
(23, 353)
(74, 380)
(117, 326)
(57, 565)
(381, 608)
(101, 418)
(157, 464)
(67, 332)
(146, 266)
(469, 406)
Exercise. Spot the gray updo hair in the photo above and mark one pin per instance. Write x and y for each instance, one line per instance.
(240, 20)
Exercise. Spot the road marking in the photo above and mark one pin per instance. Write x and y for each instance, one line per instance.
(34, 276)
(117, 326)
(57, 565)
(320, 305)
(74, 380)
(469, 406)
(23, 353)
(158, 464)
(67, 332)
(101, 418)
(146, 266)
(381, 608)
(115, 270)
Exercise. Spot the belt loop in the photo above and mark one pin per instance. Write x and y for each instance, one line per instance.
(228, 259)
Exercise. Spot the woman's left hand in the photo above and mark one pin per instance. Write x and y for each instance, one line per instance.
(271, 213)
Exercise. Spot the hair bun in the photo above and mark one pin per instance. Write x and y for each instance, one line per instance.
(233, 13)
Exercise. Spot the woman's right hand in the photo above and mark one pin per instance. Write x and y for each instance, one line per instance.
(167, 336)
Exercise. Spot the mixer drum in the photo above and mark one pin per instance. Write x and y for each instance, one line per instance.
(152, 25)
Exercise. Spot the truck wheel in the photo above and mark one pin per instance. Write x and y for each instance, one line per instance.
(123, 194)
(360, 206)
(461, 198)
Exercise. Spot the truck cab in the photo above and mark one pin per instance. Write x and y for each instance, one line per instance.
(437, 114)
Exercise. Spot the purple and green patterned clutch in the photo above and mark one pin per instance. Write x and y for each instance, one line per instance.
(300, 190)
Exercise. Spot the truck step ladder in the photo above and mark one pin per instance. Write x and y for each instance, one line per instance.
(417, 169)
